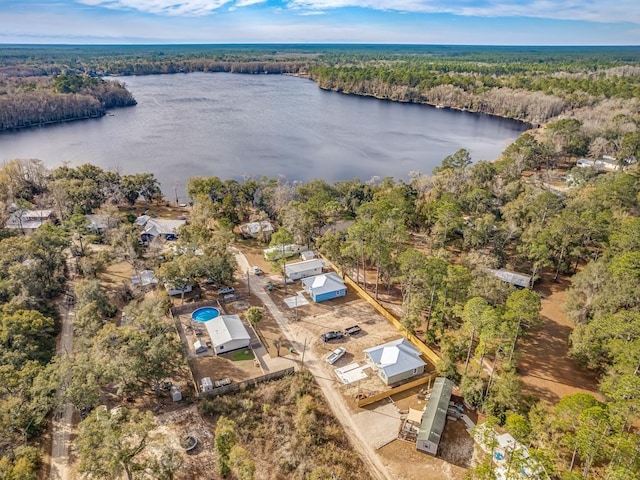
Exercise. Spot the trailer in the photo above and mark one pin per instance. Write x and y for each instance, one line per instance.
(353, 330)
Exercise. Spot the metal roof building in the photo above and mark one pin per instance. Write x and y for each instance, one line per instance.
(227, 333)
(435, 416)
(514, 278)
(324, 287)
(306, 268)
(395, 361)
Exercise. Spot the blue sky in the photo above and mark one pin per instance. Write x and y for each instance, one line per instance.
(484, 22)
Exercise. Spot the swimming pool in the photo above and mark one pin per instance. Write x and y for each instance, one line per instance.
(205, 314)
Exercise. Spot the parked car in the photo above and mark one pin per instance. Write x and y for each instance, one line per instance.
(226, 290)
(334, 356)
(353, 330)
(333, 335)
(257, 271)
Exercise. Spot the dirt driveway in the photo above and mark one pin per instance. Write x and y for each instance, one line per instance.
(546, 369)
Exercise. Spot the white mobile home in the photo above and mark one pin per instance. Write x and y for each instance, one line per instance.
(306, 268)
(283, 251)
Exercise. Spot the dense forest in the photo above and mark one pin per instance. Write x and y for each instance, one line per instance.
(532, 84)
(32, 101)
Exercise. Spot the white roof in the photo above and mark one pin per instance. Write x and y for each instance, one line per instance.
(519, 279)
(395, 357)
(142, 220)
(308, 255)
(304, 266)
(325, 283)
(146, 277)
(506, 440)
(206, 381)
(226, 328)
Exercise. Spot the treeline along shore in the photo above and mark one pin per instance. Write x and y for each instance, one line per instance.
(44, 84)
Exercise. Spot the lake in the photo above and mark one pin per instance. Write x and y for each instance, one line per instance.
(234, 126)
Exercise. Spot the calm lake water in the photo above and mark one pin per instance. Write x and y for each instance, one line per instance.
(231, 126)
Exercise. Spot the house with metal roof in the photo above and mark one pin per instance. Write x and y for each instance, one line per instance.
(167, 229)
(227, 333)
(324, 287)
(29, 220)
(395, 361)
(262, 230)
(435, 416)
(306, 268)
(518, 279)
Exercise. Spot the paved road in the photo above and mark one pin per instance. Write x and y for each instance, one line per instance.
(63, 417)
(297, 336)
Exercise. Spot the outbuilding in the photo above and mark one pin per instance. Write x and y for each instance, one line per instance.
(306, 268)
(206, 385)
(199, 346)
(227, 333)
(395, 361)
(324, 287)
(435, 416)
(518, 279)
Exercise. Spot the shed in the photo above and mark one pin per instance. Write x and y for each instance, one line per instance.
(435, 416)
(306, 268)
(227, 333)
(176, 395)
(324, 287)
(514, 278)
(395, 361)
(206, 385)
(199, 346)
(308, 255)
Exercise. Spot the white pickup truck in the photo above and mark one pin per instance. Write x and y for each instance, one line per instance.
(334, 356)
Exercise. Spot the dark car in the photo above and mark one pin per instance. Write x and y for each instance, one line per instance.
(331, 336)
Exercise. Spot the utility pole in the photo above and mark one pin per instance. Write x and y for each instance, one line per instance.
(248, 283)
(304, 348)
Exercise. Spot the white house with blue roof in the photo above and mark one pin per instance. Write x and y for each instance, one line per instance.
(395, 361)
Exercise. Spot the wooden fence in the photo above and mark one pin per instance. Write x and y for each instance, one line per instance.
(429, 354)
(387, 393)
(234, 387)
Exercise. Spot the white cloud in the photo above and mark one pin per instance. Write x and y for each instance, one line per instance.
(246, 3)
(588, 10)
(163, 7)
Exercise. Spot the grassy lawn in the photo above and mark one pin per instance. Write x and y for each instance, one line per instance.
(241, 355)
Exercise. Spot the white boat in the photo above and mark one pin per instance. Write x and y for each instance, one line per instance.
(334, 356)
